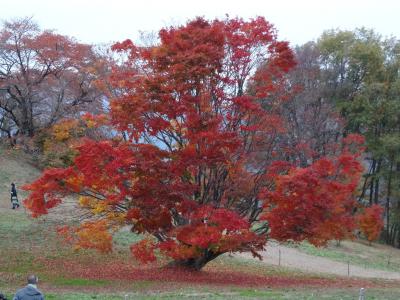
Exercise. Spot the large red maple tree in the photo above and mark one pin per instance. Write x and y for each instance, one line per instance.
(198, 170)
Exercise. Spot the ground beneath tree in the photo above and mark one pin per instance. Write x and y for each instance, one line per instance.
(14, 168)
(294, 258)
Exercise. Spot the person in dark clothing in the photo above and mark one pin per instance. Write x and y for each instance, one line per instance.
(30, 292)
(2, 297)
(14, 197)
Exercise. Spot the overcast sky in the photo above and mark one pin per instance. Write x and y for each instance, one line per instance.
(298, 21)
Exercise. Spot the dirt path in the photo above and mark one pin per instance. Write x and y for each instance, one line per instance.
(293, 258)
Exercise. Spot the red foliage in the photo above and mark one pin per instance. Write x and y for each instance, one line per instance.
(145, 250)
(370, 222)
(49, 181)
(314, 203)
(217, 275)
(199, 114)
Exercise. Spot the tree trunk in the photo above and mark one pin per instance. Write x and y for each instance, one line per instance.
(371, 187)
(27, 127)
(388, 194)
(196, 263)
(12, 140)
(397, 236)
(376, 192)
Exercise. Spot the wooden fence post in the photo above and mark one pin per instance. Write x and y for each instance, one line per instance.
(348, 268)
(279, 257)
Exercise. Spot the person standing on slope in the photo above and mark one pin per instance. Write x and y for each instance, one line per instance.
(14, 197)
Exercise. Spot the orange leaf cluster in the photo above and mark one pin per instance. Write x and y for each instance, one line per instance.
(370, 222)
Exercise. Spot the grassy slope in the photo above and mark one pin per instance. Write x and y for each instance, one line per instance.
(376, 256)
(14, 168)
(26, 244)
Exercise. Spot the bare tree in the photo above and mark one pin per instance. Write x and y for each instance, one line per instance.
(44, 76)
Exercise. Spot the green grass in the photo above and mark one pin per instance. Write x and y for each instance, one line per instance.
(14, 222)
(80, 296)
(124, 238)
(298, 294)
(61, 281)
(18, 230)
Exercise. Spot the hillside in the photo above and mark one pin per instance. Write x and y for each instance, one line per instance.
(14, 167)
(25, 236)
(366, 261)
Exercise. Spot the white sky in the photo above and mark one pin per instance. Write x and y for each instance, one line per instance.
(298, 21)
